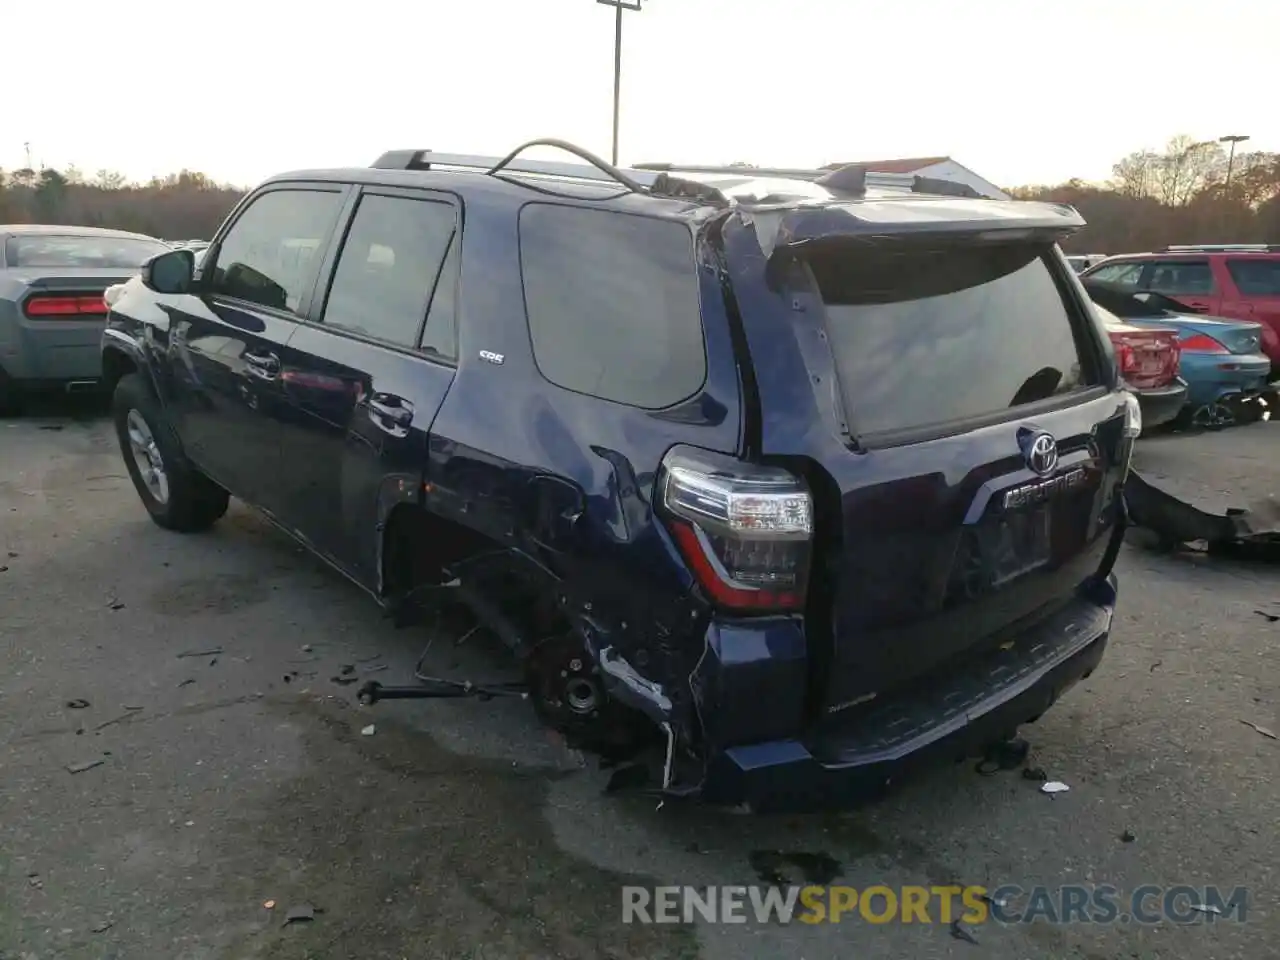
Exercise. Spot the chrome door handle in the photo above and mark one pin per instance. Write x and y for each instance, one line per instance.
(391, 414)
(265, 367)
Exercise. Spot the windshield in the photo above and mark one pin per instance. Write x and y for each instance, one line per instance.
(69, 250)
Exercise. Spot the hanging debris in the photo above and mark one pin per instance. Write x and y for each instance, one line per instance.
(1252, 533)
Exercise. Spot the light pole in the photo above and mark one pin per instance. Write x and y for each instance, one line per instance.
(619, 6)
(1233, 139)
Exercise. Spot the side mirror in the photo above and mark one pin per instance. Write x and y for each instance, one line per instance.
(170, 272)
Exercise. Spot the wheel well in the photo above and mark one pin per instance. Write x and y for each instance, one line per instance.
(418, 545)
(115, 365)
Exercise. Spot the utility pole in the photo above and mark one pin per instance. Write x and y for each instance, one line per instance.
(1232, 139)
(27, 148)
(619, 6)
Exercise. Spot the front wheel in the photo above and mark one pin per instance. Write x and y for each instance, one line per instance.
(177, 495)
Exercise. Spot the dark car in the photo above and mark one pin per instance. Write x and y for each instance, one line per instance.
(782, 479)
(52, 312)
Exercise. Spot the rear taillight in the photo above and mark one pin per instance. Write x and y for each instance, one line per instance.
(745, 530)
(53, 305)
(1202, 343)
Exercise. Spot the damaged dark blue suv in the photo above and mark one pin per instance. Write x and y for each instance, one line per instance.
(786, 480)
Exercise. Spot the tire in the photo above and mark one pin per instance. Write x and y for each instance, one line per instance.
(177, 495)
(9, 403)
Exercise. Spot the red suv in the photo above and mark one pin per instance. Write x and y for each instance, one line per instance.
(1240, 282)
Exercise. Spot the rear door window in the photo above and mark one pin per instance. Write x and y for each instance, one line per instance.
(1256, 278)
(388, 268)
(1181, 277)
(613, 305)
(925, 337)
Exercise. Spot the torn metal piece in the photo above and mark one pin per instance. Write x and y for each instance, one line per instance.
(671, 753)
(625, 683)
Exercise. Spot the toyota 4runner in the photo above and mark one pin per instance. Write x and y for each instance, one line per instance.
(786, 479)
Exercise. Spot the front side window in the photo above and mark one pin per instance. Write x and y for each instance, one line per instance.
(270, 254)
(921, 337)
(388, 269)
(1181, 277)
(613, 306)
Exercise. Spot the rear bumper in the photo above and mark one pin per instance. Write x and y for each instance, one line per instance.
(1161, 404)
(956, 717)
(1211, 377)
(53, 351)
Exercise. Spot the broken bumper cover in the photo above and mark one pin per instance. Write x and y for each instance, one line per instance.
(1161, 404)
(985, 701)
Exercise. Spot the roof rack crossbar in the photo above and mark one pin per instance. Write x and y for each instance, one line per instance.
(1221, 248)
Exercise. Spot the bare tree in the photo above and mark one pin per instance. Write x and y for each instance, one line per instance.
(1185, 168)
(1136, 175)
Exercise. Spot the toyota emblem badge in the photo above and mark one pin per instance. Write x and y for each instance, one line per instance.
(1042, 454)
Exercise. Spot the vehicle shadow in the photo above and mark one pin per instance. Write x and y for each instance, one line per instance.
(61, 407)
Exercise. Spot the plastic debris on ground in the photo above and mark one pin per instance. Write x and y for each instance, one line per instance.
(960, 932)
(82, 767)
(368, 731)
(303, 913)
(1054, 786)
(1262, 730)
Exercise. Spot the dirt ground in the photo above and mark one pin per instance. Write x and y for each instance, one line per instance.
(241, 777)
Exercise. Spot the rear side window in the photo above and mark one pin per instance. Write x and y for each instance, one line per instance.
(270, 254)
(1256, 278)
(926, 336)
(1181, 277)
(613, 304)
(388, 268)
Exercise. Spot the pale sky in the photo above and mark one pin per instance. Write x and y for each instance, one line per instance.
(1021, 91)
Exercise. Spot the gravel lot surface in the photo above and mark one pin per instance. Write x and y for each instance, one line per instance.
(233, 779)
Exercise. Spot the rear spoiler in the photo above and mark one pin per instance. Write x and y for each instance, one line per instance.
(794, 226)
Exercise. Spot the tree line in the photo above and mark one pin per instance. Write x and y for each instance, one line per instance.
(1189, 192)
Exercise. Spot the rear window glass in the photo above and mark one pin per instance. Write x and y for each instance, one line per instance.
(613, 304)
(927, 336)
(1256, 278)
(55, 250)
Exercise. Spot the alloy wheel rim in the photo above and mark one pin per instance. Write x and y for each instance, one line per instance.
(146, 455)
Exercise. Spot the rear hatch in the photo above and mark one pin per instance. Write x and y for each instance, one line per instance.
(953, 405)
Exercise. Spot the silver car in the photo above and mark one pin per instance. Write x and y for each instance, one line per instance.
(52, 312)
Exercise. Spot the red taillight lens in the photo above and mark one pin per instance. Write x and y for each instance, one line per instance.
(79, 305)
(745, 530)
(1202, 343)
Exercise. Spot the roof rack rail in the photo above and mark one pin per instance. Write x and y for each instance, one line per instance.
(1221, 248)
(595, 169)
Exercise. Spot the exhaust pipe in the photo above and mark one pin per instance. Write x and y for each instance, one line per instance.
(81, 386)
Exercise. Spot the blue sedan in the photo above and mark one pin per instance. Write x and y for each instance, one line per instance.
(1222, 360)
